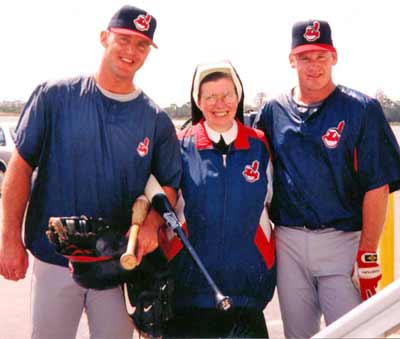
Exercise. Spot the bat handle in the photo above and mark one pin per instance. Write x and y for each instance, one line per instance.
(128, 259)
(140, 207)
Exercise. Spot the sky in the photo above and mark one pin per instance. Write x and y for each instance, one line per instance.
(51, 39)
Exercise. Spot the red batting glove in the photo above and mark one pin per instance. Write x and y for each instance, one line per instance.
(366, 273)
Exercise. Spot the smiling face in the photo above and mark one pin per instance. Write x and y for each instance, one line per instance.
(124, 54)
(314, 71)
(218, 102)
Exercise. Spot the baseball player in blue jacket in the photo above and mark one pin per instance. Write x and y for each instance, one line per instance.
(335, 162)
(225, 188)
(94, 140)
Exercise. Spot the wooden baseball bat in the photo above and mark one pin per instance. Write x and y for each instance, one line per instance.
(139, 211)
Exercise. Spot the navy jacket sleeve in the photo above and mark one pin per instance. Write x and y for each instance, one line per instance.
(378, 153)
(166, 165)
(31, 129)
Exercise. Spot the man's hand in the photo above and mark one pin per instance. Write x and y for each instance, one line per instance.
(15, 194)
(366, 273)
(148, 235)
(13, 260)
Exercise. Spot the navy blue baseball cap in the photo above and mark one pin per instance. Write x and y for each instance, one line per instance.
(133, 20)
(311, 35)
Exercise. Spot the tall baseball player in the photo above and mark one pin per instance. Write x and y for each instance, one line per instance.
(95, 140)
(336, 160)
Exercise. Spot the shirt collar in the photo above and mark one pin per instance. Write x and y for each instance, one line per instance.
(229, 136)
(120, 97)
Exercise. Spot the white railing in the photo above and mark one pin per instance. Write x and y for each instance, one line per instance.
(375, 318)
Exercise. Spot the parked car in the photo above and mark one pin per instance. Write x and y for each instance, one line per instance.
(249, 118)
(7, 135)
(7, 146)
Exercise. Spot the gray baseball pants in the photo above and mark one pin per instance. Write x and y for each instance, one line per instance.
(58, 303)
(314, 277)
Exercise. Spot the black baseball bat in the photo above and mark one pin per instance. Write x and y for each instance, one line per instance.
(159, 201)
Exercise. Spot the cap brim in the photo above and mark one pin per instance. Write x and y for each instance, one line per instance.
(313, 47)
(131, 32)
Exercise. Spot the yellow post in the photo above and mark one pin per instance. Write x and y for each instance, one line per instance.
(386, 246)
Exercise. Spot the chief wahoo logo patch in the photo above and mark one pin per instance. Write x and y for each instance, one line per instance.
(251, 173)
(142, 22)
(332, 136)
(312, 33)
(143, 147)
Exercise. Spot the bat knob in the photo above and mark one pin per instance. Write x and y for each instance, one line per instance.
(128, 261)
(224, 303)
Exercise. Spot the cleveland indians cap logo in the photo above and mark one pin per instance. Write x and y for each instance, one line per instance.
(251, 173)
(143, 147)
(332, 136)
(312, 33)
(142, 22)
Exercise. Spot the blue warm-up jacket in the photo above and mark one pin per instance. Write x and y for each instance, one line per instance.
(223, 200)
